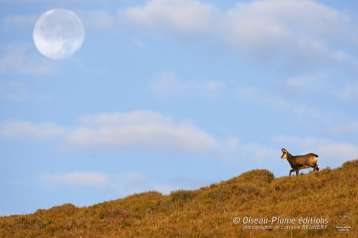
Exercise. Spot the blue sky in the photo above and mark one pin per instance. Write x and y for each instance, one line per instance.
(172, 94)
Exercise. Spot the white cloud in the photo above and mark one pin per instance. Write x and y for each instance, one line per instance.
(140, 129)
(135, 129)
(265, 29)
(183, 16)
(21, 60)
(152, 131)
(99, 19)
(290, 30)
(87, 179)
(29, 130)
(267, 23)
(168, 85)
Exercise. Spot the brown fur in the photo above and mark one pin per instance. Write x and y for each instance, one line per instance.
(299, 162)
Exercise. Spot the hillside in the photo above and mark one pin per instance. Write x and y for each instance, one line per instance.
(209, 211)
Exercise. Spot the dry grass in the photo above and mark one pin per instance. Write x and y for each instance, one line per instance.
(207, 212)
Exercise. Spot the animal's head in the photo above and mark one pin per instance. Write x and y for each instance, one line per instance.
(284, 153)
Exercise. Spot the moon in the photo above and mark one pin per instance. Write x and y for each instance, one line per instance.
(58, 33)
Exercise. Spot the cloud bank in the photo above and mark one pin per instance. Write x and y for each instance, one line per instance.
(22, 60)
(135, 129)
(29, 130)
(183, 16)
(266, 29)
(148, 130)
(144, 129)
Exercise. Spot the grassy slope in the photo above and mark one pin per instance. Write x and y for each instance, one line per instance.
(207, 212)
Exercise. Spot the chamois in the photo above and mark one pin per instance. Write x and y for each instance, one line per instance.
(298, 162)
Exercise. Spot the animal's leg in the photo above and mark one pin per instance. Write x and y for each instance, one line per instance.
(315, 168)
(297, 171)
(291, 172)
